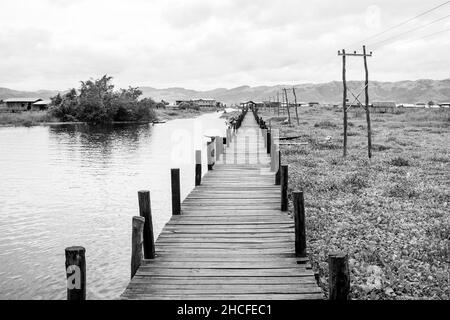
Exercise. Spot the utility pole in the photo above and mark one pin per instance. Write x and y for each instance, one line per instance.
(369, 129)
(295, 101)
(366, 89)
(278, 102)
(287, 105)
(344, 99)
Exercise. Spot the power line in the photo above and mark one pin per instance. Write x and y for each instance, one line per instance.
(409, 31)
(402, 23)
(429, 35)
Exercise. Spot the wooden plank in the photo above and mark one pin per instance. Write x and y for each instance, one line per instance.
(222, 280)
(221, 264)
(212, 296)
(285, 272)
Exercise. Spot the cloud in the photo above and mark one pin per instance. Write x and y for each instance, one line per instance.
(205, 44)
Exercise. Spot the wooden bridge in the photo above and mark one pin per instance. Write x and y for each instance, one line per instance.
(231, 240)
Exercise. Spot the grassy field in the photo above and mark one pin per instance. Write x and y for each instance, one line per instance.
(30, 118)
(391, 213)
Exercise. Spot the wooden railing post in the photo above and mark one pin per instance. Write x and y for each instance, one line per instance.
(198, 167)
(264, 134)
(284, 187)
(339, 276)
(145, 211)
(136, 244)
(300, 229)
(219, 144)
(278, 167)
(76, 273)
(210, 154)
(176, 197)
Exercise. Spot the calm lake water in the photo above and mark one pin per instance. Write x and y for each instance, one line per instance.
(65, 185)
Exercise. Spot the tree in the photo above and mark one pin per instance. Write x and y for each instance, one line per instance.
(98, 103)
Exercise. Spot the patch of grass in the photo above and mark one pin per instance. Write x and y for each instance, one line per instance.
(356, 181)
(399, 162)
(351, 133)
(438, 158)
(380, 147)
(325, 124)
(295, 150)
(402, 189)
(397, 141)
(29, 118)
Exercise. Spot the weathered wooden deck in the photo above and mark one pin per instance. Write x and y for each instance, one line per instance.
(232, 241)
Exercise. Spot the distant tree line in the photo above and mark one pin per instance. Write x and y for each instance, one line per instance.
(97, 102)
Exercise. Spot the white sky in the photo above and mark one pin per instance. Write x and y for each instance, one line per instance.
(201, 44)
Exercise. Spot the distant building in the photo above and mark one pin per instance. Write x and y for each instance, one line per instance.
(383, 106)
(406, 105)
(20, 104)
(40, 105)
(252, 104)
(205, 103)
(178, 102)
(313, 104)
(444, 104)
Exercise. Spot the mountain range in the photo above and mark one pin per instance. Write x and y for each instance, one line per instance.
(331, 92)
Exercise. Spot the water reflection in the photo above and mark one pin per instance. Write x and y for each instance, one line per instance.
(77, 185)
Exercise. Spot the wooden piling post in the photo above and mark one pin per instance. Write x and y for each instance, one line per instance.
(145, 211)
(269, 141)
(76, 273)
(198, 167)
(300, 229)
(219, 143)
(284, 187)
(176, 197)
(136, 244)
(339, 276)
(264, 134)
(210, 154)
(278, 167)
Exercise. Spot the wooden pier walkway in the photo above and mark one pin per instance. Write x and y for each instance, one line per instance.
(231, 240)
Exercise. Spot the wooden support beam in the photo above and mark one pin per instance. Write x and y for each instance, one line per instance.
(300, 229)
(198, 167)
(145, 211)
(176, 197)
(339, 276)
(76, 273)
(278, 167)
(210, 154)
(284, 187)
(136, 244)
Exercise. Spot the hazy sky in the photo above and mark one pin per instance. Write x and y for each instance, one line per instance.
(53, 44)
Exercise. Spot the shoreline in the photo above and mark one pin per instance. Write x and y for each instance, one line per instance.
(41, 118)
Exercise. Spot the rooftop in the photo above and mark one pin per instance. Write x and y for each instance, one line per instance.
(22, 100)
